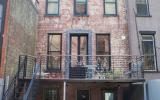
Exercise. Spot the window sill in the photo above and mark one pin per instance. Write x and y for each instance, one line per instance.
(81, 15)
(151, 71)
(143, 16)
(52, 15)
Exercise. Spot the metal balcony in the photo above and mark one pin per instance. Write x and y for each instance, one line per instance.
(86, 67)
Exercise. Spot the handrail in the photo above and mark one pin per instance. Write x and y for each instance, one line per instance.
(12, 83)
(25, 97)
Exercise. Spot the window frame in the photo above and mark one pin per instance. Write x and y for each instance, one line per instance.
(86, 6)
(58, 3)
(53, 88)
(116, 8)
(83, 89)
(148, 11)
(154, 50)
(101, 34)
(114, 91)
(48, 52)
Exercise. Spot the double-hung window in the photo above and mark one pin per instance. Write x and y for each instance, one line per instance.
(103, 50)
(52, 7)
(148, 48)
(80, 7)
(1, 16)
(110, 7)
(142, 7)
(54, 52)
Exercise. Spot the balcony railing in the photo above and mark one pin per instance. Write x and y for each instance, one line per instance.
(86, 67)
(99, 67)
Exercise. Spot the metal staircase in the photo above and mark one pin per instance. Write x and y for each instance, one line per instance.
(25, 83)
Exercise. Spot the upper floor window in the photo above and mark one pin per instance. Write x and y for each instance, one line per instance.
(110, 7)
(142, 7)
(103, 48)
(148, 48)
(52, 7)
(1, 15)
(54, 51)
(80, 7)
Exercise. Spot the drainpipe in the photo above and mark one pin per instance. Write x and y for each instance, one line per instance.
(64, 90)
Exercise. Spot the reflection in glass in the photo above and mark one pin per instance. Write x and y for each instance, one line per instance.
(109, 96)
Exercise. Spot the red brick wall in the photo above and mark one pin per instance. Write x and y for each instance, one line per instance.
(96, 22)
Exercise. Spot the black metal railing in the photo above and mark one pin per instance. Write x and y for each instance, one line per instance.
(100, 67)
(25, 71)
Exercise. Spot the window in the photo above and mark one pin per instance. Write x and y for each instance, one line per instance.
(80, 7)
(110, 7)
(51, 94)
(1, 15)
(82, 94)
(142, 7)
(52, 7)
(148, 48)
(109, 95)
(103, 48)
(54, 51)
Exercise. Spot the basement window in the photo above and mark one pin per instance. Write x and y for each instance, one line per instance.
(51, 94)
(52, 7)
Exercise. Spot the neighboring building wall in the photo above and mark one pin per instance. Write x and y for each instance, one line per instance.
(20, 34)
(94, 23)
(150, 23)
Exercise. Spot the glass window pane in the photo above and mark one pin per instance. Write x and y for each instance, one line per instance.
(1, 10)
(110, 0)
(102, 45)
(147, 37)
(148, 52)
(80, 8)
(52, 8)
(142, 9)
(0, 25)
(53, 0)
(141, 1)
(54, 42)
(80, 0)
(109, 96)
(54, 62)
(51, 94)
(110, 8)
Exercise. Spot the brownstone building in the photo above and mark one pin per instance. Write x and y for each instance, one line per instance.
(80, 47)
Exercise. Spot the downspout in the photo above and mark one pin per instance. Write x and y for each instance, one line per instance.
(64, 90)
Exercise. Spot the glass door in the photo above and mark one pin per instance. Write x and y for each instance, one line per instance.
(78, 50)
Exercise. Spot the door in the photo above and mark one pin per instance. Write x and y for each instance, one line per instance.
(79, 50)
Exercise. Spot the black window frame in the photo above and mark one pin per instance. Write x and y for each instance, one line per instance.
(50, 88)
(109, 54)
(116, 8)
(86, 10)
(47, 2)
(88, 90)
(150, 33)
(48, 52)
(148, 11)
